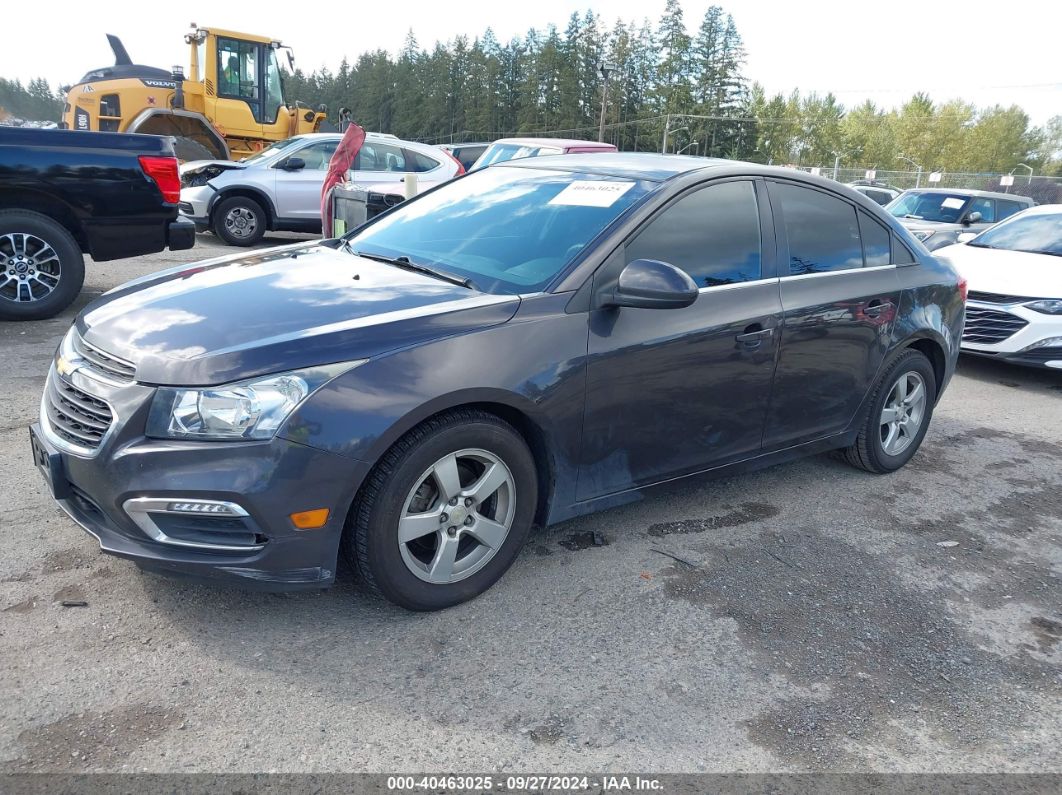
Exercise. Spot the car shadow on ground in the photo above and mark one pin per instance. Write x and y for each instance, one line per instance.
(1016, 376)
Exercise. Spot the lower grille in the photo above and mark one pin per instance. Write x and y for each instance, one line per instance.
(76, 417)
(1040, 355)
(989, 326)
(997, 298)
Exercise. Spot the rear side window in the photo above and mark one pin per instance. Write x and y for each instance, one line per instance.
(875, 241)
(419, 162)
(901, 255)
(713, 234)
(1005, 209)
(380, 157)
(822, 230)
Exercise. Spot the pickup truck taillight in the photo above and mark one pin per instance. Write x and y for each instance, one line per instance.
(163, 171)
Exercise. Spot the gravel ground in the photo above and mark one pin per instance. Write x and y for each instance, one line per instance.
(807, 617)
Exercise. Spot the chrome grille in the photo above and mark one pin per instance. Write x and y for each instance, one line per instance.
(105, 363)
(76, 417)
(989, 326)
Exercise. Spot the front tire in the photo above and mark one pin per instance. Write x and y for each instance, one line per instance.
(445, 512)
(900, 411)
(239, 221)
(41, 266)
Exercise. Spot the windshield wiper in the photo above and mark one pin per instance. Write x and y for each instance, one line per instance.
(1042, 251)
(916, 217)
(407, 264)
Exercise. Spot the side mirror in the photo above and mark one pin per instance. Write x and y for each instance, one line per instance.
(972, 218)
(965, 237)
(651, 284)
(293, 164)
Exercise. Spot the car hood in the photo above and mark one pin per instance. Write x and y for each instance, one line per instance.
(195, 166)
(990, 270)
(935, 226)
(279, 309)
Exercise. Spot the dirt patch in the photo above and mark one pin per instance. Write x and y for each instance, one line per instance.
(68, 593)
(89, 740)
(744, 514)
(67, 560)
(868, 653)
(25, 606)
(577, 541)
(1048, 632)
(552, 730)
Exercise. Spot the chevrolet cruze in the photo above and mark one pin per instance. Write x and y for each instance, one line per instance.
(531, 342)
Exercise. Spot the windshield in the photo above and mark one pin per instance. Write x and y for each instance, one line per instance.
(509, 230)
(269, 151)
(1039, 234)
(499, 153)
(942, 207)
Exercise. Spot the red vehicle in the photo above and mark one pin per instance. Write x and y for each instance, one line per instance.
(516, 148)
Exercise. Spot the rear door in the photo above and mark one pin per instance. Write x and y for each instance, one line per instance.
(674, 391)
(839, 292)
(298, 192)
(380, 167)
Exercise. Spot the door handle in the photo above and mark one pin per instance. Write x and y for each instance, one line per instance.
(876, 307)
(754, 335)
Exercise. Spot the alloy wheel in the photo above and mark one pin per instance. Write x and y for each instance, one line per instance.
(457, 516)
(30, 269)
(902, 415)
(241, 222)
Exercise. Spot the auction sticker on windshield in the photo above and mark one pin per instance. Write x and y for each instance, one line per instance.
(591, 193)
(952, 203)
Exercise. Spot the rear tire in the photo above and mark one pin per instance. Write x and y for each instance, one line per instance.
(900, 412)
(41, 266)
(484, 528)
(188, 149)
(239, 221)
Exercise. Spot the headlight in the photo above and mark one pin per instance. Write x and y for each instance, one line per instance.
(1049, 306)
(923, 234)
(252, 409)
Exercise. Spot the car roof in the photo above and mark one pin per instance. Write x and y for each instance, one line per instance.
(631, 165)
(1040, 209)
(562, 142)
(324, 136)
(972, 192)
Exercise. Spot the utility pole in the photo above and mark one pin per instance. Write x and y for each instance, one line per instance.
(663, 146)
(605, 69)
(836, 166)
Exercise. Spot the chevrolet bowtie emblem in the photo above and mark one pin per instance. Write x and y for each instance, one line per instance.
(63, 367)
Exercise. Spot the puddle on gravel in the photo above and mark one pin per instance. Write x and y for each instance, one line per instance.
(746, 513)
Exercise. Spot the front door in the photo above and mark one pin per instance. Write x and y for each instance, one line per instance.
(298, 191)
(840, 294)
(675, 391)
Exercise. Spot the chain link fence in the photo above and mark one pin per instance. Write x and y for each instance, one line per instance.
(1044, 190)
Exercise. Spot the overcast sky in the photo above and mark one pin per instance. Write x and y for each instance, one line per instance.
(985, 52)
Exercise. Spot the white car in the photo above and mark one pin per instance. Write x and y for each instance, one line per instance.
(280, 187)
(1014, 272)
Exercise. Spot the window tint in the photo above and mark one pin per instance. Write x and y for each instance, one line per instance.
(822, 230)
(713, 235)
(901, 255)
(875, 241)
(419, 162)
(986, 207)
(1005, 209)
(380, 157)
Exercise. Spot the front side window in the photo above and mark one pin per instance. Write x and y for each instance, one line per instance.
(986, 207)
(822, 230)
(274, 88)
(713, 234)
(316, 156)
(510, 230)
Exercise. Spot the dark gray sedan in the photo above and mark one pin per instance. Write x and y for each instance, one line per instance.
(526, 344)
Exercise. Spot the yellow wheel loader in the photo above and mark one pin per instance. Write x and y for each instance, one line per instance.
(229, 106)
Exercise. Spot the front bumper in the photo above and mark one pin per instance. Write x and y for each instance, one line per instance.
(1013, 333)
(195, 205)
(268, 480)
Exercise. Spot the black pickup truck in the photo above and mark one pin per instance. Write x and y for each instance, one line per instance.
(65, 193)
